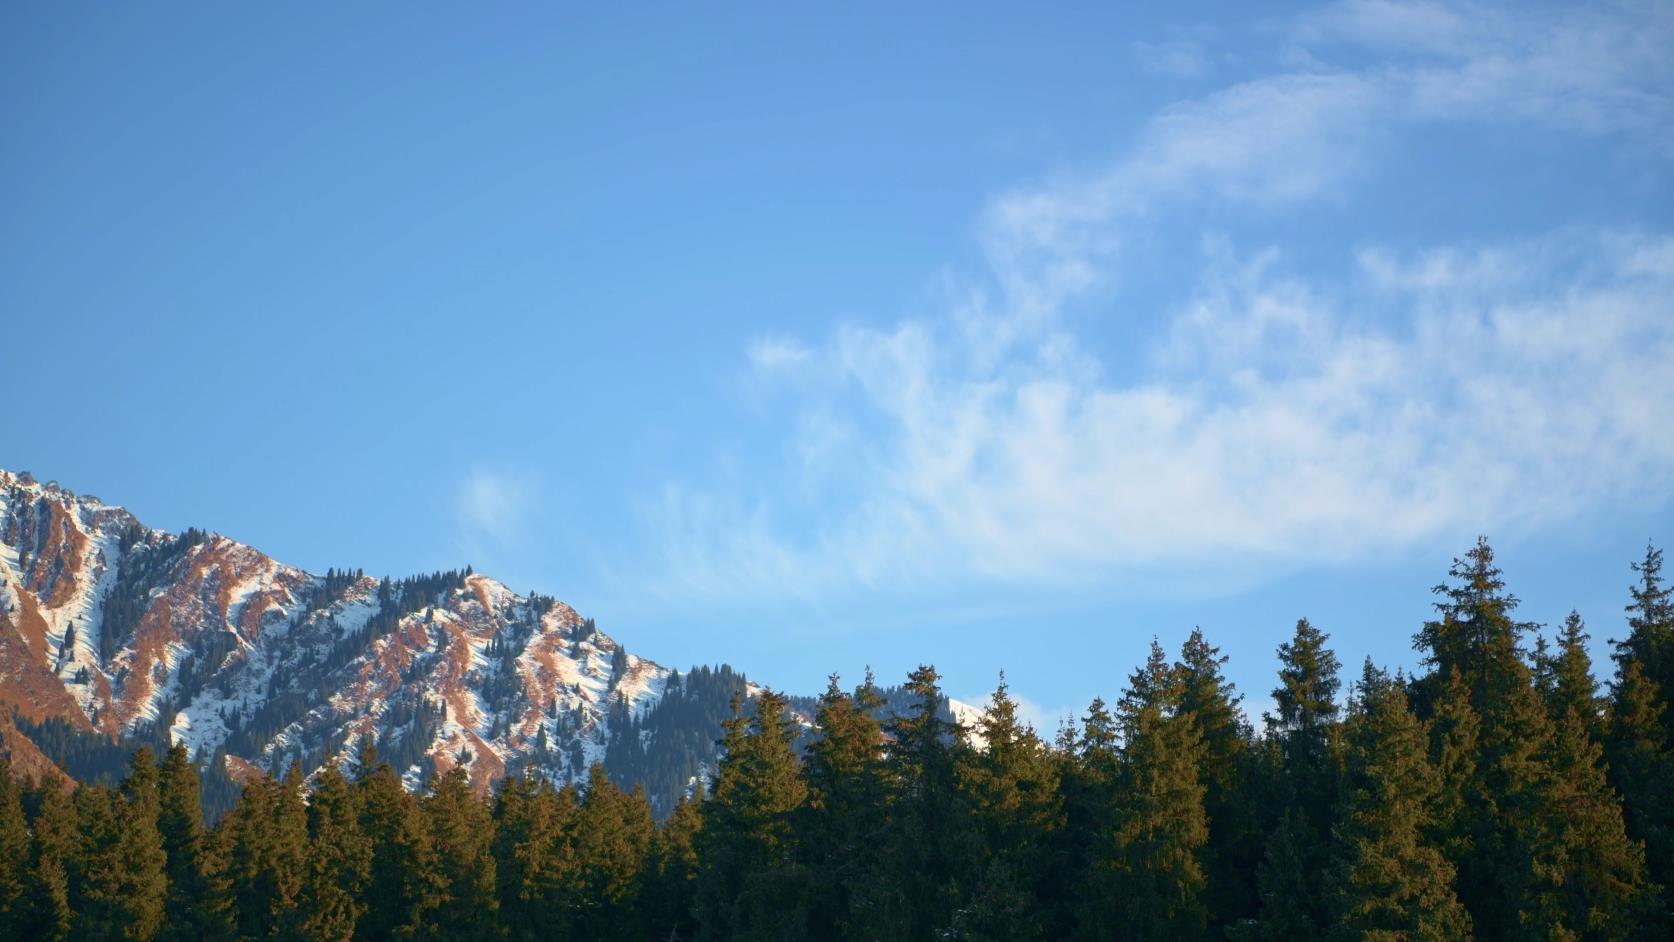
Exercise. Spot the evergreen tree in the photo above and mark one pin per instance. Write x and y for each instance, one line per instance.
(117, 880)
(403, 884)
(749, 883)
(1640, 741)
(1595, 875)
(14, 857)
(339, 860)
(1642, 768)
(1090, 783)
(1565, 678)
(535, 866)
(1300, 733)
(267, 846)
(613, 840)
(1011, 787)
(1234, 847)
(1455, 732)
(53, 838)
(845, 811)
(1387, 882)
(1151, 879)
(922, 877)
(197, 908)
(670, 875)
(461, 831)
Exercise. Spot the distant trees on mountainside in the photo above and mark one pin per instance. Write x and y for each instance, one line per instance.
(1501, 794)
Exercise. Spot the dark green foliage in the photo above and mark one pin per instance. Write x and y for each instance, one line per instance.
(749, 881)
(845, 810)
(1011, 788)
(117, 877)
(1497, 797)
(14, 857)
(1152, 878)
(1302, 773)
(461, 832)
(339, 860)
(1386, 881)
(197, 906)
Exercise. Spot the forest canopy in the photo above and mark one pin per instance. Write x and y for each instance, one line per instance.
(1501, 793)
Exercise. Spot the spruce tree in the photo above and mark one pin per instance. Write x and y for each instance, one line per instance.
(923, 876)
(1641, 767)
(1153, 881)
(1090, 784)
(197, 908)
(1011, 787)
(403, 885)
(1565, 678)
(1387, 881)
(267, 836)
(670, 875)
(1234, 847)
(845, 812)
(535, 864)
(750, 885)
(1640, 740)
(1299, 732)
(52, 852)
(339, 860)
(117, 880)
(612, 843)
(14, 857)
(461, 832)
(1596, 885)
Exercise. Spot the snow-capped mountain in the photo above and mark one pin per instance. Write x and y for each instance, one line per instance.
(110, 630)
(116, 628)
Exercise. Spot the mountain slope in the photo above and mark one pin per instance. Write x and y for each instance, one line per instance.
(118, 629)
(113, 634)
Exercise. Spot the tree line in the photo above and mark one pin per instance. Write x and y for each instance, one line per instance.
(1500, 794)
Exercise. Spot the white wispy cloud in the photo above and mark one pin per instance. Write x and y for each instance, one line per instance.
(494, 508)
(1280, 419)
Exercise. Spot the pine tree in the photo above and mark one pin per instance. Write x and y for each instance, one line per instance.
(1150, 881)
(339, 860)
(52, 853)
(1387, 882)
(670, 875)
(14, 857)
(197, 908)
(403, 884)
(117, 882)
(840, 822)
(535, 866)
(1233, 850)
(613, 840)
(1565, 678)
(749, 883)
(1300, 732)
(461, 831)
(1640, 740)
(1011, 788)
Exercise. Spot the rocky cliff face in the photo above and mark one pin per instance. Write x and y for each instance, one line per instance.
(122, 630)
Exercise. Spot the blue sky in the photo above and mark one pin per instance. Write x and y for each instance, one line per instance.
(807, 340)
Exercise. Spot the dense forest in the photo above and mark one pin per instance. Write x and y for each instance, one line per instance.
(1502, 793)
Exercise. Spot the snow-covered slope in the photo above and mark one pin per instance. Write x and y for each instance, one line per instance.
(115, 627)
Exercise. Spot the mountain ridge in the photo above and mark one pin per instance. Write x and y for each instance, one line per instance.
(123, 632)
